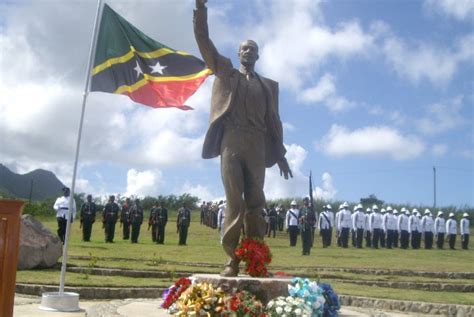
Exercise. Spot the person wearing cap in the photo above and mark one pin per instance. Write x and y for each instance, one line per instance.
(367, 232)
(439, 229)
(183, 221)
(88, 212)
(427, 223)
(136, 220)
(345, 224)
(325, 227)
(273, 218)
(358, 225)
(333, 222)
(307, 219)
(338, 229)
(402, 226)
(414, 229)
(109, 219)
(465, 231)
(292, 222)
(452, 230)
(125, 220)
(61, 205)
(390, 225)
(383, 233)
(353, 230)
(376, 226)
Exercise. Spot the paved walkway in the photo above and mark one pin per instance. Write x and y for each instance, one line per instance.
(27, 306)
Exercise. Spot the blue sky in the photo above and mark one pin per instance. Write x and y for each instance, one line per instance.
(373, 94)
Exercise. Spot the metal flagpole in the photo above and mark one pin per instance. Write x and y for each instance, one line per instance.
(70, 301)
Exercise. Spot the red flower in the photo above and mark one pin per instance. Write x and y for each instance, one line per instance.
(256, 255)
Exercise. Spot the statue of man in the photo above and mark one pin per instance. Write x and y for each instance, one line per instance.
(246, 131)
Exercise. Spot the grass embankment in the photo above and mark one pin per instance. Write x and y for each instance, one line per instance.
(204, 247)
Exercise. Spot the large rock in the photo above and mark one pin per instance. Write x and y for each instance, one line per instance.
(39, 247)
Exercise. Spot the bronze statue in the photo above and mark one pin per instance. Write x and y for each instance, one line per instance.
(246, 131)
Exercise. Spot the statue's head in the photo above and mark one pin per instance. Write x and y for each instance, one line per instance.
(248, 53)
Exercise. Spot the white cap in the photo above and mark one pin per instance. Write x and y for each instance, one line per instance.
(293, 203)
(395, 211)
(389, 208)
(328, 206)
(403, 209)
(383, 210)
(414, 210)
(375, 207)
(345, 204)
(465, 214)
(359, 206)
(440, 213)
(451, 214)
(407, 212)
(427, 211)
(368, 210)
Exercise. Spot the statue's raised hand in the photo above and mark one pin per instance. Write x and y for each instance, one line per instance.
(200, 3)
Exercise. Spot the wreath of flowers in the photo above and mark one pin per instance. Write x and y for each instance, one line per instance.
(243, 303)
(256, 255)
(171, 294)
(201, 299)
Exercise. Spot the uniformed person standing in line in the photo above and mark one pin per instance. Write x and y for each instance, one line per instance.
(465, 231)
(324, 225)
(403, 229)
(383, 233)
(152, 222)
(61, 205)
(109, 219)
(292, 223)
(390, 224)
(307, 220)
(281, 217)
(358, 225)
(440, 229)
(376, 226)
(452, 231)
(427, 224)
(338, 229)
(368, 233)
(396, 233)
(136, 220)
(125, 219)
(183, 221)
(88, 212)
(413, 228)
(353, 231)
(161, 221)
(345, 224)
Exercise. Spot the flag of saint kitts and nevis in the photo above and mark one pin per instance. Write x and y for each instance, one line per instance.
(128, 62)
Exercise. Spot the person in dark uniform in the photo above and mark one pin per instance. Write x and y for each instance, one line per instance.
(307, 220)
(136, 220)
(88, 212)
(183, 221)
(125, 219)
(161, 217)
(109, 219)
(281, 217)
(273, 219)
(152, 222)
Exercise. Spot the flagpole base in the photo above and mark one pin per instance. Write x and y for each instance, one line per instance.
(65, 302)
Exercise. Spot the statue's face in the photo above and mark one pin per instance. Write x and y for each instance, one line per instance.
(248, 53)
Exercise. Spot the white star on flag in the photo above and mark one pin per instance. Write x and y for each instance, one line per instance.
(157, 68)
(138, 69)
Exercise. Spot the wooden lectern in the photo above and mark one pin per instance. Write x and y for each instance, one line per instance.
(10, 221)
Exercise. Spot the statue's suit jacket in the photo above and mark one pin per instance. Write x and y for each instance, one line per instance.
(223, 92)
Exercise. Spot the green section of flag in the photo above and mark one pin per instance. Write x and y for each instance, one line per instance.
(117, 36)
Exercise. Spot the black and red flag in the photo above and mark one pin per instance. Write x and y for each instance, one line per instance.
(129, 62)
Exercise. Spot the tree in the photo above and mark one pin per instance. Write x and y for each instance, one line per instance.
(371, 200)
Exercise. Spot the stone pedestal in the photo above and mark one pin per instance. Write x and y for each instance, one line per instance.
(265, 288)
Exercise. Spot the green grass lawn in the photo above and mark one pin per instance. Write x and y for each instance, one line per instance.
(204, 247)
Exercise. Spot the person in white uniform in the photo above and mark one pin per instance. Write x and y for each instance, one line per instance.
(440, 229)
(402, 226)
(375, 226)
(345, 224)
(465, 231)
(61, 205)
(452, 231)
(292, 223)
(358, 225)
(427, 223)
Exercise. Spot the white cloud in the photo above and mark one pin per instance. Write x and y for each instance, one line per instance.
(143, 183)
(325, 92)
(327, 191)
(288, 127)
(425, 61)
(370, 141)
(459, 9)
(442, 117)
(198, 190)
(439, 149)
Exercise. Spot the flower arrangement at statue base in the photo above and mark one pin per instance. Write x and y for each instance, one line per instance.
(306, 298)
(256, 255)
